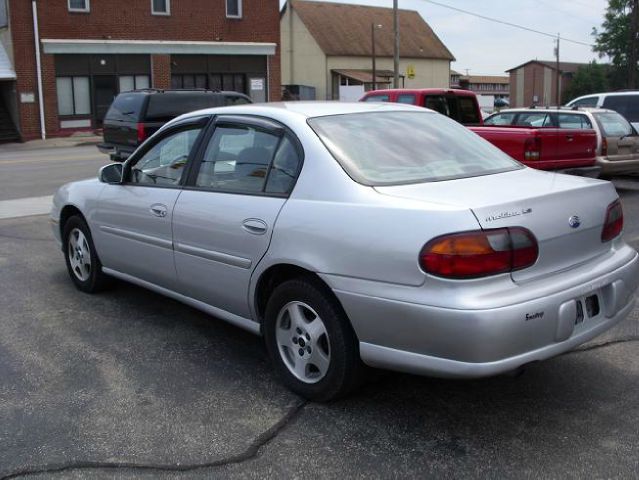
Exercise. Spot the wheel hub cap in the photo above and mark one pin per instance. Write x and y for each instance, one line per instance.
(79, 255)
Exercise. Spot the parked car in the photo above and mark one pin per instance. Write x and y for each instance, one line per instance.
(460, 105)
(625, 103)
(532, 137)
(138, 114)
(617, 149)
(356, 234)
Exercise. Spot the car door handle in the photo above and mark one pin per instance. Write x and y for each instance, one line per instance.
(158, 210)
(255, 226)
(570, 138)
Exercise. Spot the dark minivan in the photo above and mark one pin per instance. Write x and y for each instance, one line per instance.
(136, 115)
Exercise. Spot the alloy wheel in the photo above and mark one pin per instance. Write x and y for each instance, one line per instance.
(79, 254)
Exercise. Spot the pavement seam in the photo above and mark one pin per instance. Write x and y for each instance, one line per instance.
(251, 452)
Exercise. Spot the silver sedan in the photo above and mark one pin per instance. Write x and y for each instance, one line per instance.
(354, 235)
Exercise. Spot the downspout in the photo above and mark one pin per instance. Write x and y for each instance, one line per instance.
(36, 38)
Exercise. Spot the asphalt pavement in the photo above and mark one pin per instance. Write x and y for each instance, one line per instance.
(129, 384)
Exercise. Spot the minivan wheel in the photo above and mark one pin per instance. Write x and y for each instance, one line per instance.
(310, 341)
(82, 261)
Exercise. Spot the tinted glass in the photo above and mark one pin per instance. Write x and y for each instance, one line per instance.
(126, 106)
(387, 148)
(237, 159)
(377, 98)
(467, 111)
(534, 119)
(164, 163)
(437, 103)
(627, 105)
(613, 124)
(165, 106)
(406, 98)
(585, 102)
(573, 120)
(285, 168)
(233, 8)
(235, 100)
(160, 6)
(500, 119)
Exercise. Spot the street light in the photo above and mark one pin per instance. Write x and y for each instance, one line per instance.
(373, 28)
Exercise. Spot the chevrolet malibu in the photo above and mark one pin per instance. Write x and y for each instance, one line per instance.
(354, 235)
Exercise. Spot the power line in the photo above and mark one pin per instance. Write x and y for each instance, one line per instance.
(503, 22)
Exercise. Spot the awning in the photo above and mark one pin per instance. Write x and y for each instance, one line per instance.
(75, 46)
(6, 68)
(366, 76)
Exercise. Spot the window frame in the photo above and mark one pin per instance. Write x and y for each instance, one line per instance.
(86, 9)
(203, 122)
(264, 124)
(166, 13)
(239, 9)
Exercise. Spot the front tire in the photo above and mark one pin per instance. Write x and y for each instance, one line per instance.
(310, 341)
(82, 260)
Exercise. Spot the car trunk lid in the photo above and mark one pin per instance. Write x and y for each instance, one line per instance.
(565, 213)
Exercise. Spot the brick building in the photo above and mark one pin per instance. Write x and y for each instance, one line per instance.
(535, 82)
(92, 49)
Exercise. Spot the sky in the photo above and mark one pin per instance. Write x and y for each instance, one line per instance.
(486, 48)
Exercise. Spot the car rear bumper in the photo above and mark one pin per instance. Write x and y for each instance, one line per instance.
(423, 339)
(618, 166)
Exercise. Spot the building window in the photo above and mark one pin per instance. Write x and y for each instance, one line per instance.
(189, 81)
(74, 95)
(161, 7)
(133, 82)
(234, 8)
(79, 6)
(234, 82)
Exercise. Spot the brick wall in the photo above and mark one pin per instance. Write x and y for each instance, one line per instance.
(190, 20)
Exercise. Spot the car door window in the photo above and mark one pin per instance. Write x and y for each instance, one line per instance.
(627, 105)
(500, 119)
(574, 121)
(408, 98)
(285, 168)
(534, 119)
(585, 102)
(377, 98)
(164, 163)
(237, 159)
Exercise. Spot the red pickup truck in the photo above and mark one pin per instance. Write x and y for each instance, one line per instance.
(547, 148)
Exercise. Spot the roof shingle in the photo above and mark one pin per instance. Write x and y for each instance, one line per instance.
(345, 30)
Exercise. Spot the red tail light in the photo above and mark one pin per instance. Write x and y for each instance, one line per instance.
(141, 133)
(604, 147)
(532, 148)
(479, 253)
(614, 221)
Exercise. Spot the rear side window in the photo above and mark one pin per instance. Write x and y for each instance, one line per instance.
(406, 98)
(437, 103)
(500, 119)
(164, 106)
(377, 98)
(126, 107)
(235, 100)
(585, 102)
(467, 111)
(627, 105)
(575, 121)
(462, 109)
(613, 124)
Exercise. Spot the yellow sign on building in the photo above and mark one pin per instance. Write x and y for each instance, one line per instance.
(410, 71)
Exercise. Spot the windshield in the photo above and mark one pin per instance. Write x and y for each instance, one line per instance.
(390, 148)
(613, 124)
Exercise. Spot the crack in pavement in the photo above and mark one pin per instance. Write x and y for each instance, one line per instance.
(251, 452)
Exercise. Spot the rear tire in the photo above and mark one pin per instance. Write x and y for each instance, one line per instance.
(311, 342)
(82, 260)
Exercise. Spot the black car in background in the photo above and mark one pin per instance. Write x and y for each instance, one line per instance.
(136, 115)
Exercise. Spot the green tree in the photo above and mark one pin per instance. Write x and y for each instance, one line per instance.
(618, 38)
(591, 78)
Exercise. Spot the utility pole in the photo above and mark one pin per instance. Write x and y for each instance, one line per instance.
(396, 49)
(558, 80)
(633, 40)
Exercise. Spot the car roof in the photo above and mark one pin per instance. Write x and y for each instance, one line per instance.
(609, 94)
(556, 110)
(440, 91)
(306, 109)
(181, 91)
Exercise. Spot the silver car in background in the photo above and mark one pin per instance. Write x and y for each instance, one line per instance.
(356, 234)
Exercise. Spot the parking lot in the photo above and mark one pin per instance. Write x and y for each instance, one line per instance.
(130, 384)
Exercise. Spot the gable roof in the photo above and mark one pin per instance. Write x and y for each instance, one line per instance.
(345, 30)
(566, 67)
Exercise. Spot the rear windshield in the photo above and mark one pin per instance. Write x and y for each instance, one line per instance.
(126, 106)
(391, 148)
(613, 124)
(165, 106)
(627, 105)
(462, 109)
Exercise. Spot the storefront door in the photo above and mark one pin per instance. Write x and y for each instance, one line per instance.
(105, 89)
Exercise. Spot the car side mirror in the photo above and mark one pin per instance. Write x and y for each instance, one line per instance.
(111, 173)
